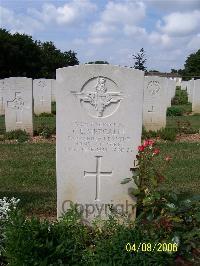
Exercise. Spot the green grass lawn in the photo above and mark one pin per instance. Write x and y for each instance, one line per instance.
(38, 122)
(193, 122)
(2, 124)
(186, 108)
(41, 122)
(27, 171)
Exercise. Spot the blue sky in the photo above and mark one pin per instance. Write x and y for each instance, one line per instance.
(168, 30)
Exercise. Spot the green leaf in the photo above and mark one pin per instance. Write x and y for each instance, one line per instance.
(135, 191)
(197, 216)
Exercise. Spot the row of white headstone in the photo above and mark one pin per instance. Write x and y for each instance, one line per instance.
(19, 94)
(193, 90)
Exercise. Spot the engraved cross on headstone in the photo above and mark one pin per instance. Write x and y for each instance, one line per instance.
(18, 104)
(42, 100)
(97, 174)
(152, 109)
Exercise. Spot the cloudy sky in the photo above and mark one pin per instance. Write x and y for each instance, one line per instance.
(168, 30)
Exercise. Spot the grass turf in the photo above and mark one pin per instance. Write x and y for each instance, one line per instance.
(27, 171)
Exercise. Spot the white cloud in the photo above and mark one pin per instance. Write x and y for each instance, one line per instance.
(174, 5)
(134, 30)
(159, 39)
(118, 18)
(126, 12)
(194, 43)
(99, 40)
(180, 24)
(71, 12)
(18, 22)
(101, 28)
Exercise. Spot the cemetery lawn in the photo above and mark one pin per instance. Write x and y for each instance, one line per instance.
(2, 124)
(192, 122)
(27, 171)
(38, 123)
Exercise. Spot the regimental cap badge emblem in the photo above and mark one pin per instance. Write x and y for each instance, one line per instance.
(97, 99)
(153, 87)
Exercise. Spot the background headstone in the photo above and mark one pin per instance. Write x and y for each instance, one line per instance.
(184, 85)
(42, 95)
(53, 90)
(2, 97)
(190, 88)
(99, 125)
(156, 101)
(18, 104)
(196, 97)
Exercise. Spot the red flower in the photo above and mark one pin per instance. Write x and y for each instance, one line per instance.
(151, 142)
(141, 148)
(146, 143)
(156, 151)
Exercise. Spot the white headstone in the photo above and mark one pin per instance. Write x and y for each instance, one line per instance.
(42, 95)
(190, 88)
(99, 124)
(156, 100)
(2, 91)
(178, 81)
(196, 97)
(18, 104)
(184, 85)
(171, 90)
(53, 90)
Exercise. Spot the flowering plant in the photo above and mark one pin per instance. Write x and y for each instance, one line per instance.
(6, 206)
(162, 214)
(147, 174)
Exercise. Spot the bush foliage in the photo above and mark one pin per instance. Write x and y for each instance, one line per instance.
(180, 97)
(19, 135)
(174, 111)
(165, 134)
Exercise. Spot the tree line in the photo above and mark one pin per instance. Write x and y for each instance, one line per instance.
(22, 56)
(191, 67)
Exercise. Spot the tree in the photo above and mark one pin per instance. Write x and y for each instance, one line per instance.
(53, 58)
(192, 65)
(140, 60)
(99, 62)
(22, 56)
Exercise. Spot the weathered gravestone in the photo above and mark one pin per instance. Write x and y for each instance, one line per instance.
(156, 100)
(167, 86)
(184, 85)
(53, 90)
(99, 124)
(190, 88)
(18, 104)
(196, 97)
(2, 107)
(172, 84)
(42, 89)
